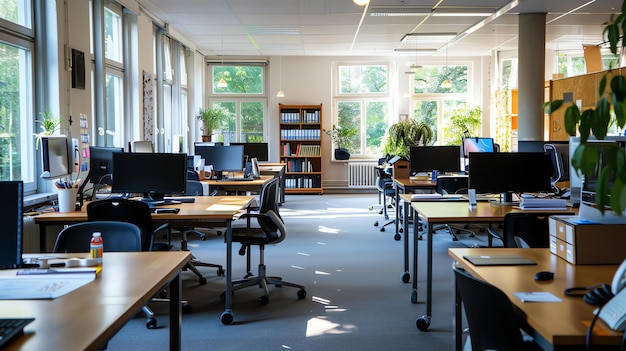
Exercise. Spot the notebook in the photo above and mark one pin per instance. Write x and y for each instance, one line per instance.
(499, 260)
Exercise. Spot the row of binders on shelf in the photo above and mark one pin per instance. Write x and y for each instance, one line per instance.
(300, 134)
(299, 166)
(302, 182)
(302, 150)
(308, 116)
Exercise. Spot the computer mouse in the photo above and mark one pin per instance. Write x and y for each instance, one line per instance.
(544, 275)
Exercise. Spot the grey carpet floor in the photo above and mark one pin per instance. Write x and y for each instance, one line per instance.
(352, 273)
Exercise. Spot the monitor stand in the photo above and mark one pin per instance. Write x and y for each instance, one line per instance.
(506, 199)
(153, 199)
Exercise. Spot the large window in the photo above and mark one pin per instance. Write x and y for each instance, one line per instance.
(437, 92)
(363, 102)
(240, 90)
(573, 64)
(17, 116)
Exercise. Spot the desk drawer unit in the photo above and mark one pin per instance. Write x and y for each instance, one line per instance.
(582, 242)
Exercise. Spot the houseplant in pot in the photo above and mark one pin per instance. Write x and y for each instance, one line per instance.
(211, 119)
(341, 137)
(48, 124)
(404, 134)
(607, 160)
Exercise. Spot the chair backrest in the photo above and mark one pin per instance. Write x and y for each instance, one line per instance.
(527, 229)
(490, 315)
(273, 227)
(116, 236)
(269, 199)
(124, 210)
(192, 175)
(194, 188)
(452, 185)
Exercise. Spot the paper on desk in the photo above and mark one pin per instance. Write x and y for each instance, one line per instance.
(536, 296)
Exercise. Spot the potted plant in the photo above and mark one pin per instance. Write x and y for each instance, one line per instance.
(211, 119)
(608, 159)
(463, 120)
(341, 137)
(48, 124)
(404, 134)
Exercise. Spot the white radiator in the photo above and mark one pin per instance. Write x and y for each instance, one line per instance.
(362, 174)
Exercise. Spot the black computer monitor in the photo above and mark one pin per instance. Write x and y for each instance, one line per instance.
(258, 150)
(100, 167)
(477, 144)
(440, 158)
(152, 174)
(11, 216)
(509, 172)
(223, 158)
(56, 156)
(559, 155)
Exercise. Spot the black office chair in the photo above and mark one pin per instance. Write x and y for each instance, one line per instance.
(524, 230)
(271, 230)
(491, 318)
(453, 185)
(384, 185)
(117, 237)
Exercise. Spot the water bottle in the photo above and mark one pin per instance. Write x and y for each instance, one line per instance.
(96, 247)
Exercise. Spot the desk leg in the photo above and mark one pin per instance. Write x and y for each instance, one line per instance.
(227, 315)
(397, 206)
(457, 321)
(423, 322)
(415, 241)
(406, 276)
(175, 313)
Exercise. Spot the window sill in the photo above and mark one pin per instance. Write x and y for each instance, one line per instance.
(39, 198)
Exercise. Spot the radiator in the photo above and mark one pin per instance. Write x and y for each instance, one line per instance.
(362, 174)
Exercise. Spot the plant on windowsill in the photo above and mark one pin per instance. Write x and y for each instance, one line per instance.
(211, 119)
(404, 134)
(341, 137)
(608, 159)
(48, 123)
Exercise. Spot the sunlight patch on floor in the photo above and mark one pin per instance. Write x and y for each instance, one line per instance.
(328, 230)
(303, 254)
(322, 273)
(320, 325)
(297, 267)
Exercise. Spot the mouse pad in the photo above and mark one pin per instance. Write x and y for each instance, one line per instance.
(499, 260)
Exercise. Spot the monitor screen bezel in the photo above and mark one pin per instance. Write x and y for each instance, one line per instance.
(11, 217)
(222, 164)
(258, 150)
(56, 156)
(480, 144)
(444, 159)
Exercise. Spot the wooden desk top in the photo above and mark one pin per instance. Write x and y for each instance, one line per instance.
(414, 183)
(560, 323)
(204, 207)
(451, 211)
(238, 183)
(87, 317)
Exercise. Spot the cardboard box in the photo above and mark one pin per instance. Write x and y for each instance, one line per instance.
(401, 169)
(582, 242)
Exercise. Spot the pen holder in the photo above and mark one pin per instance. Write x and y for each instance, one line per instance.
(67, 199)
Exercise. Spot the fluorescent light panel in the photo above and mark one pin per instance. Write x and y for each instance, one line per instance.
(415, 51)
(413, 11)
(430, 37)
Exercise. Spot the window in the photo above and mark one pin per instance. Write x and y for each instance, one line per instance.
(363, 102)
(244, 97)
(573, 64)
(17, 116)
(433, 101)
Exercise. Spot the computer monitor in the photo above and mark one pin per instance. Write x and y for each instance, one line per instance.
(152, 174)
(11, 216)
(440, 158)
(223, 158)
(509, 172)
(559, 162)
(100, 167)
(477, 144)
(258, 150)
(56, 156)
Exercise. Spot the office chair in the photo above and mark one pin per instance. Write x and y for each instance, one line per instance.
(384, 185)
(453, 185)
(271, 230)
(117, 237)
(491, 318)
(524, 230)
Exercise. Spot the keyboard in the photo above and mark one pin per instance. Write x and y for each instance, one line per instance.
(10, 328)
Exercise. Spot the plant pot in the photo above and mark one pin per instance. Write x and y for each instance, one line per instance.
(342, 154)
(206, 138)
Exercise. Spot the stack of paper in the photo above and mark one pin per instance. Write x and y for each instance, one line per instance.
(44, 283)
(543, 204)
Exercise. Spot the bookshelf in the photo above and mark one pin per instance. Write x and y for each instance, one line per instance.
(300, 147)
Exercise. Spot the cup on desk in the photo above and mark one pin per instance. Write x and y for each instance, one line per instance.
(67, 199)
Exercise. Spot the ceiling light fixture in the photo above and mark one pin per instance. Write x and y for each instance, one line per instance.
(416, 11)
(442, 37)
(280, 78)
(222, 83)
(361, 2)
(446, 84)
(421, 52)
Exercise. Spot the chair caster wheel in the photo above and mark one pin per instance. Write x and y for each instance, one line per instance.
(264, 300)
(226, 318)
(455, 239)
(202, 281)
(406, 276)
(301, 294)
(382, 229)
(186, 309)
(203, 238)
(220, 272)
(401, 230)
(423, 323)
(397, 237)
(472, 235)
(219, 233)
(151, 323)
(375, 224)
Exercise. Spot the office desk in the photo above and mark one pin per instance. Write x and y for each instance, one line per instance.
(236, 185)
(86, 318)
(405, 186)
(441, 212)
(206, 210)
(559, 325)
